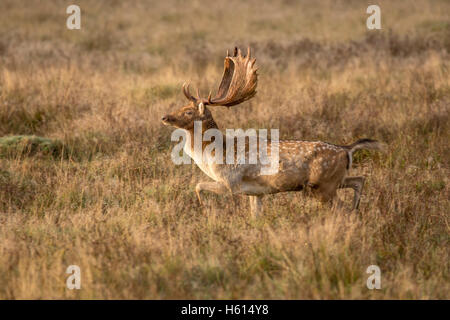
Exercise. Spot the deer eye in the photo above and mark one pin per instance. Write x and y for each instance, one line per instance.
(189, 113)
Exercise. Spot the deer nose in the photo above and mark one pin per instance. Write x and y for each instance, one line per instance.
(165, 118)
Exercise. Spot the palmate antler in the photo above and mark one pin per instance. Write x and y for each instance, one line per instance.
(238, 83)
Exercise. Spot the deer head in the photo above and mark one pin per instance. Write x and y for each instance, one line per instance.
(185, 116)
(238, 84)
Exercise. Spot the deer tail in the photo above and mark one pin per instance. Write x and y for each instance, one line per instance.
(367, 144)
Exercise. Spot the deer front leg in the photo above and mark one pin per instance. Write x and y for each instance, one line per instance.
(255, 205)
(215, 187)
(356, 183)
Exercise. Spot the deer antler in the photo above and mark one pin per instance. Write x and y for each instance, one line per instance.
(238, 83)
(188, 94)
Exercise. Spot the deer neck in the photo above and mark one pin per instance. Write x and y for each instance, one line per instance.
(206, 125)
(209, 124)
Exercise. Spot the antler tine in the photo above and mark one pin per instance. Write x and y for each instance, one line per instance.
(249, 54)
(187, 93)
(209, 96)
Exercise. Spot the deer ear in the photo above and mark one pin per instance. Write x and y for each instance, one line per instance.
(201, 108)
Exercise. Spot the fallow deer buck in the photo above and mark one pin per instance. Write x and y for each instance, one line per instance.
(319, 166)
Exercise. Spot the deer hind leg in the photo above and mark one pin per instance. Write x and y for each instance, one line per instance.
(255, 205)
(357, 184)
(215, 187)
(326, 194)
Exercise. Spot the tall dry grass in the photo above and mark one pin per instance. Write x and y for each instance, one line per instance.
(96, 188)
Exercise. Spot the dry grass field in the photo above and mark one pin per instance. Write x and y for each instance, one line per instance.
(85, 170)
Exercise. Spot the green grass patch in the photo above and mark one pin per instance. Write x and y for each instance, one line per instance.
(25, 145)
